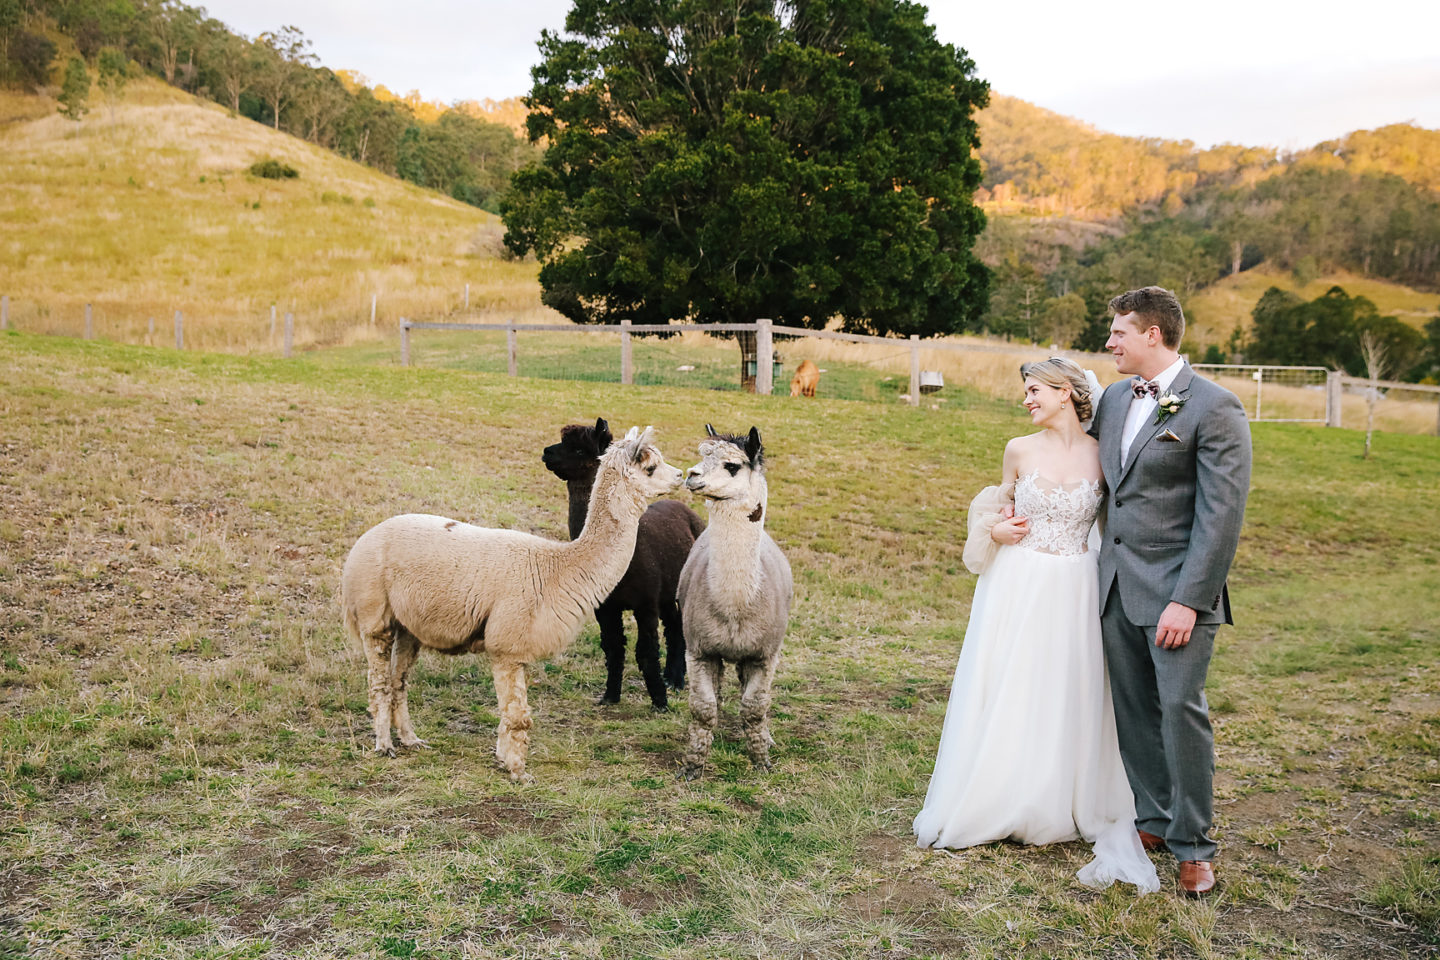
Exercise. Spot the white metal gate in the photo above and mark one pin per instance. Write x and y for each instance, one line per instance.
(1275, 394)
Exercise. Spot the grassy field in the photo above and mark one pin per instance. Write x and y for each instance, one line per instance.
(849, 371)
(148, 208)
(183, 751)
(1215, 310)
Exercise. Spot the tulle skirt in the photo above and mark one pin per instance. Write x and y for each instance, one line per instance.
(1028, 751)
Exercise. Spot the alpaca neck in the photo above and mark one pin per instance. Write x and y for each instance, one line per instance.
(734, 570)
(580, 491)
(597, 558)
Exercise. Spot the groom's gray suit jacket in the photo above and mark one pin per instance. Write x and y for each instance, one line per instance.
(1173, 516)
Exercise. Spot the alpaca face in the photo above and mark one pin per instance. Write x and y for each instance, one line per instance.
(577, 455)
(644, 465)
(731, 468)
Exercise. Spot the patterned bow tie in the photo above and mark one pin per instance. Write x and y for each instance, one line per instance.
(1141, 387)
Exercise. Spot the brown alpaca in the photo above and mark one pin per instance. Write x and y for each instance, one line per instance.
(422, 581)
(667, 532)
(806, 379)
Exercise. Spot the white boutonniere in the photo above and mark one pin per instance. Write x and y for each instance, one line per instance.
(1170, 405)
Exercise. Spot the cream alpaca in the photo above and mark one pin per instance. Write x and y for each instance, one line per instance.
(418, 580)
(734, 596)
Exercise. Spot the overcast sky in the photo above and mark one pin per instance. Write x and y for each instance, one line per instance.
(1271, 72)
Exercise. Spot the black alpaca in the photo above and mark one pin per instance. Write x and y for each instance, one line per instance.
(667, 532)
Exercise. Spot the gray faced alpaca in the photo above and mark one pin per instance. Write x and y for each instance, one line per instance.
(734, 596)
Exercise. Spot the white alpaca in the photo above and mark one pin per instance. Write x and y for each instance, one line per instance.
(734, 596)
(418, 580)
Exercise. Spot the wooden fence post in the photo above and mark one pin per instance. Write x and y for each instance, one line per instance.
(151, 331)
(1334, 397)
(627, 366)
(179, 331)
(467, 296)
(764, 358)
(5, 312)
(510, 348)
(89, 323)
(404, 342)
(289, 333)
(272, 324)
(373, 297)
(914, 370)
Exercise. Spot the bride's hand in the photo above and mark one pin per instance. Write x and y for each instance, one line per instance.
(1010, 532)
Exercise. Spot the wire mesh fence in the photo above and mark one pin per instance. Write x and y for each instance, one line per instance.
(1398, 407)
(939, 374)
(1276, 394)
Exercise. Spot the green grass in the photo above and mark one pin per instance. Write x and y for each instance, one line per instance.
(183, 740)
(658, 361)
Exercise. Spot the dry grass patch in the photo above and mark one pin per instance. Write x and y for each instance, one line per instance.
(148, 208)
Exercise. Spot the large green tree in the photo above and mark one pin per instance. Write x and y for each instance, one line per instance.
(796, 160)
(1327, 331)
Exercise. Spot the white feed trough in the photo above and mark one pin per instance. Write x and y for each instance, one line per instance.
(931, 381)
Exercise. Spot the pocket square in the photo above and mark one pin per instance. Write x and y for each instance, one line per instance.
(1168, 437)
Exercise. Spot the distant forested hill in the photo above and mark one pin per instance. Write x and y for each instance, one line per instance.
(1079, 213)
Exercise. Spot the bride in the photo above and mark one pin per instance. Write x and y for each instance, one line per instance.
(1029, 752)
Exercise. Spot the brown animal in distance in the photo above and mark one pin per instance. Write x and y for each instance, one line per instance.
(806, 379)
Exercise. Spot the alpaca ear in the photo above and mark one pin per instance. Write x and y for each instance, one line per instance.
(710, 431)
(602, 434)
(753, 446)
(641, 443)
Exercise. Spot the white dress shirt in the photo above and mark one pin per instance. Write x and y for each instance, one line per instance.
(1142, 408)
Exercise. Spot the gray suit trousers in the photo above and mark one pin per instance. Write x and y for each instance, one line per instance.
(1163, 723)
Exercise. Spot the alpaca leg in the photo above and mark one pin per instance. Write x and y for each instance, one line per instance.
(502, 698)
(755, 679)
(407, 648)
(704, 712)
(515, 720)
(674, 645)
(612, 641)
(647, 656)
(377, 660)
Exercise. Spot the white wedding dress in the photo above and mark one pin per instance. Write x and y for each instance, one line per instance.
(1028, 751)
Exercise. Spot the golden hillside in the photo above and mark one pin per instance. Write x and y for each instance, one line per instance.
(1214, 311)
(147, 207)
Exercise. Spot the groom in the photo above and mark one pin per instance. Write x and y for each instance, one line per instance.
(1175, 451)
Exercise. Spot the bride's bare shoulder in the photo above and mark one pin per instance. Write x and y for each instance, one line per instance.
(1025, 442)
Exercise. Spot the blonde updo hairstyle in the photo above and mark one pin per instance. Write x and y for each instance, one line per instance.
(1060, 373)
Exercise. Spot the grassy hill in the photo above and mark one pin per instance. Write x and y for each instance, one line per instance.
(183, 758)
(148, 207)
(1214, 311)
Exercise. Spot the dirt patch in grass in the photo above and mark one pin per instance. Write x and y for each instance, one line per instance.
(494, 818)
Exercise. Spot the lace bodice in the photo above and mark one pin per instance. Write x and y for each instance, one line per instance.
(1060, 514)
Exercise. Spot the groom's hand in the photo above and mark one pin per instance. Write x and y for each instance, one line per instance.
(1173, 631)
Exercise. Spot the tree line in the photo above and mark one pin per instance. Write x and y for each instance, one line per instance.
(1309, 220)
(274, 78)
(1331, 331)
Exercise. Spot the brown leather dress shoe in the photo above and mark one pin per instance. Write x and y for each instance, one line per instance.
(1197, 877)
(1150, 842)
